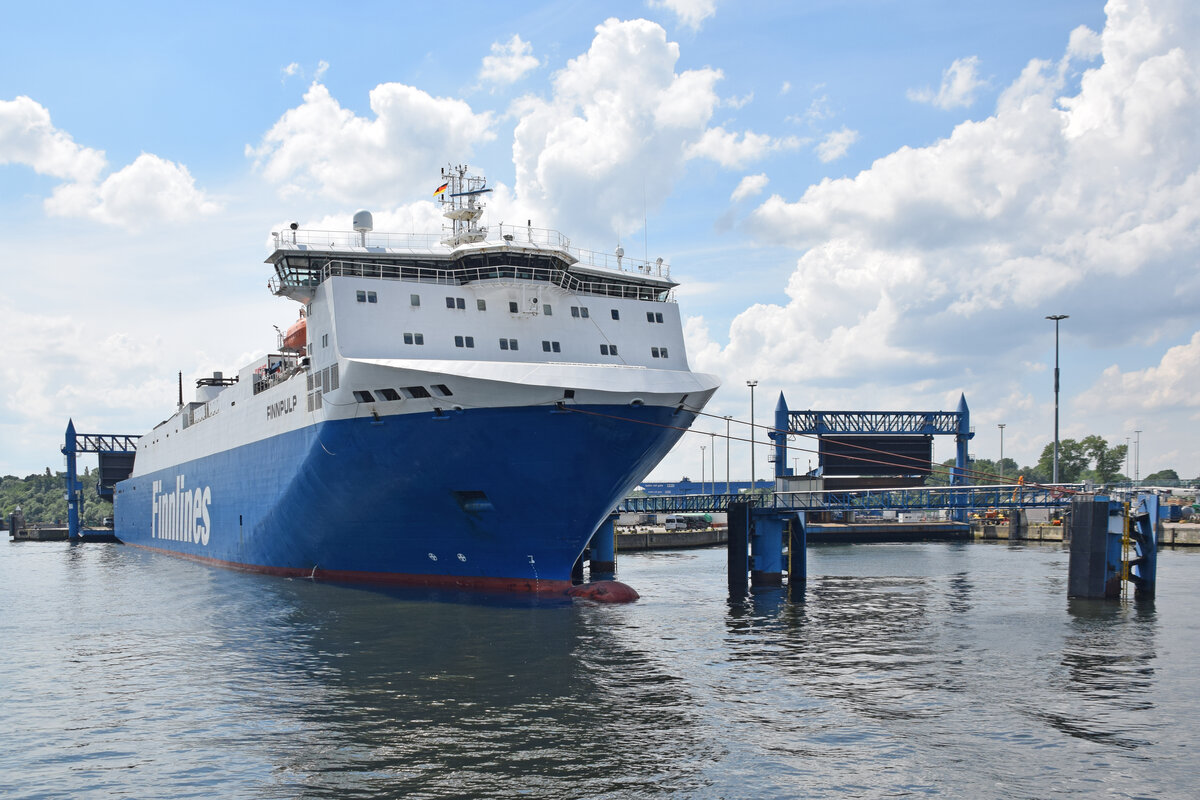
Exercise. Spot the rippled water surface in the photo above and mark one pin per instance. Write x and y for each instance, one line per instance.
(955, 670)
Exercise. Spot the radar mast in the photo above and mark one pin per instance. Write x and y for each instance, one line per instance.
(461, 196)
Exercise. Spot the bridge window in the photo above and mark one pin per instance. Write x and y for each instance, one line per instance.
(443, 390)
(362, 397)
(388, 394)
(416, 392)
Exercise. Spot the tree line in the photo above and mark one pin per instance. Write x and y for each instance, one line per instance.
(42, 497)
(1088, 459)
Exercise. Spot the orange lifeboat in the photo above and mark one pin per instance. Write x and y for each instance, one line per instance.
(296, 336)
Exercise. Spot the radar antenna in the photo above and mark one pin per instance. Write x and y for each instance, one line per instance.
(461, 197)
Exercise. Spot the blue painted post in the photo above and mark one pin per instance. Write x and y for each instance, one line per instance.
(738, 548)
(766, 547)
(604, 550)
(797, 557)
(73, 486)
(1094, 569)
(780, 437)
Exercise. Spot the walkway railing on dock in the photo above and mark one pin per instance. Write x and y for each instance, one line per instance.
(921, 498)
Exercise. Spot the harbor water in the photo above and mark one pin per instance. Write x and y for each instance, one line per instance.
(916, 670)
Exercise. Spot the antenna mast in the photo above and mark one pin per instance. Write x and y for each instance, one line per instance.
(461, 198)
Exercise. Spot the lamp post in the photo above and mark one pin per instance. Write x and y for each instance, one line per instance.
(712, 460)
(1137, 457)
(702, 478)
(727, 418)
(1057, 318)
(1126, 458)
(1000, 425)
(752, 384)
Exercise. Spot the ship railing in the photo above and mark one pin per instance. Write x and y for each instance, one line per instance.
(464, 275)
(424, 242)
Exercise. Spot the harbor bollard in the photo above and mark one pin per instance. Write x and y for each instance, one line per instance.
(1094, 569)
(738, 547)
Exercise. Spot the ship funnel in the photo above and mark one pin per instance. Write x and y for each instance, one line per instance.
(364, 223)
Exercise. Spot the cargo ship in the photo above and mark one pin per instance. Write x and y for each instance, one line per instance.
(456, 409)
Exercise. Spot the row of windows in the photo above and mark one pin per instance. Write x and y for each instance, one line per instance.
(512, 344)
(460, 304)
(410, 392)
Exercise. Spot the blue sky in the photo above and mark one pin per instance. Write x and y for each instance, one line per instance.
(869, 204)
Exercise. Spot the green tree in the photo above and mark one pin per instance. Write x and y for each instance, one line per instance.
(1163, 475)
(1072, 459)
(1106, 462)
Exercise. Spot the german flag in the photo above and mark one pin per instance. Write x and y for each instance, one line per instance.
(440, 189)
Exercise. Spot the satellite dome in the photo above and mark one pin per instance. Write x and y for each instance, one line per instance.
(363, 222)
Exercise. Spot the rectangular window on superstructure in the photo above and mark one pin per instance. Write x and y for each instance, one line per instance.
(547, 309)
(419, 338)
(449, 302)
(575, 311)
(416, 392)
(512, 307)
(503, 344)
(470, 341)
(612, 349)
(372, 297)
(324, 340)
(583, 312)
(414, 299)
(649, 316)
(361, 296)
(603, 349)
(555, 346)
(654, 352)
(458, 341)
(512, 344)
(658, 317)
(546, 345)
(361, 396)
(408, 338)
(616, 314)
(481, 304)
(663, 351)
(388, 394)
(333, 377)
(443, 390)
(460, 303)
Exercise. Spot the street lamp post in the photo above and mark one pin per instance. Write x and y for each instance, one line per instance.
(1137, 457)
(752, 384)
(712, 460)
(702, 477)
(1001, 425)
(1057, 318)
(727, 418)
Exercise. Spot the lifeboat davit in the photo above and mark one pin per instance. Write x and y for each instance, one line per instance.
(296, 336)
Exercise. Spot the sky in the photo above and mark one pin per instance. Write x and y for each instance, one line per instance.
(869, 205)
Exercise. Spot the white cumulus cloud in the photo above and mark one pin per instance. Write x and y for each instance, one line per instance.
(691, 13)
(615, 128)
(28, 137)
(960, 81)
(835, 145)
(508, 62)
(749, 186)
(149, 190)
(321, 148)
(730, 151)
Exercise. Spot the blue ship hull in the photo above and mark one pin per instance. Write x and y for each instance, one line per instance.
(503, 498)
